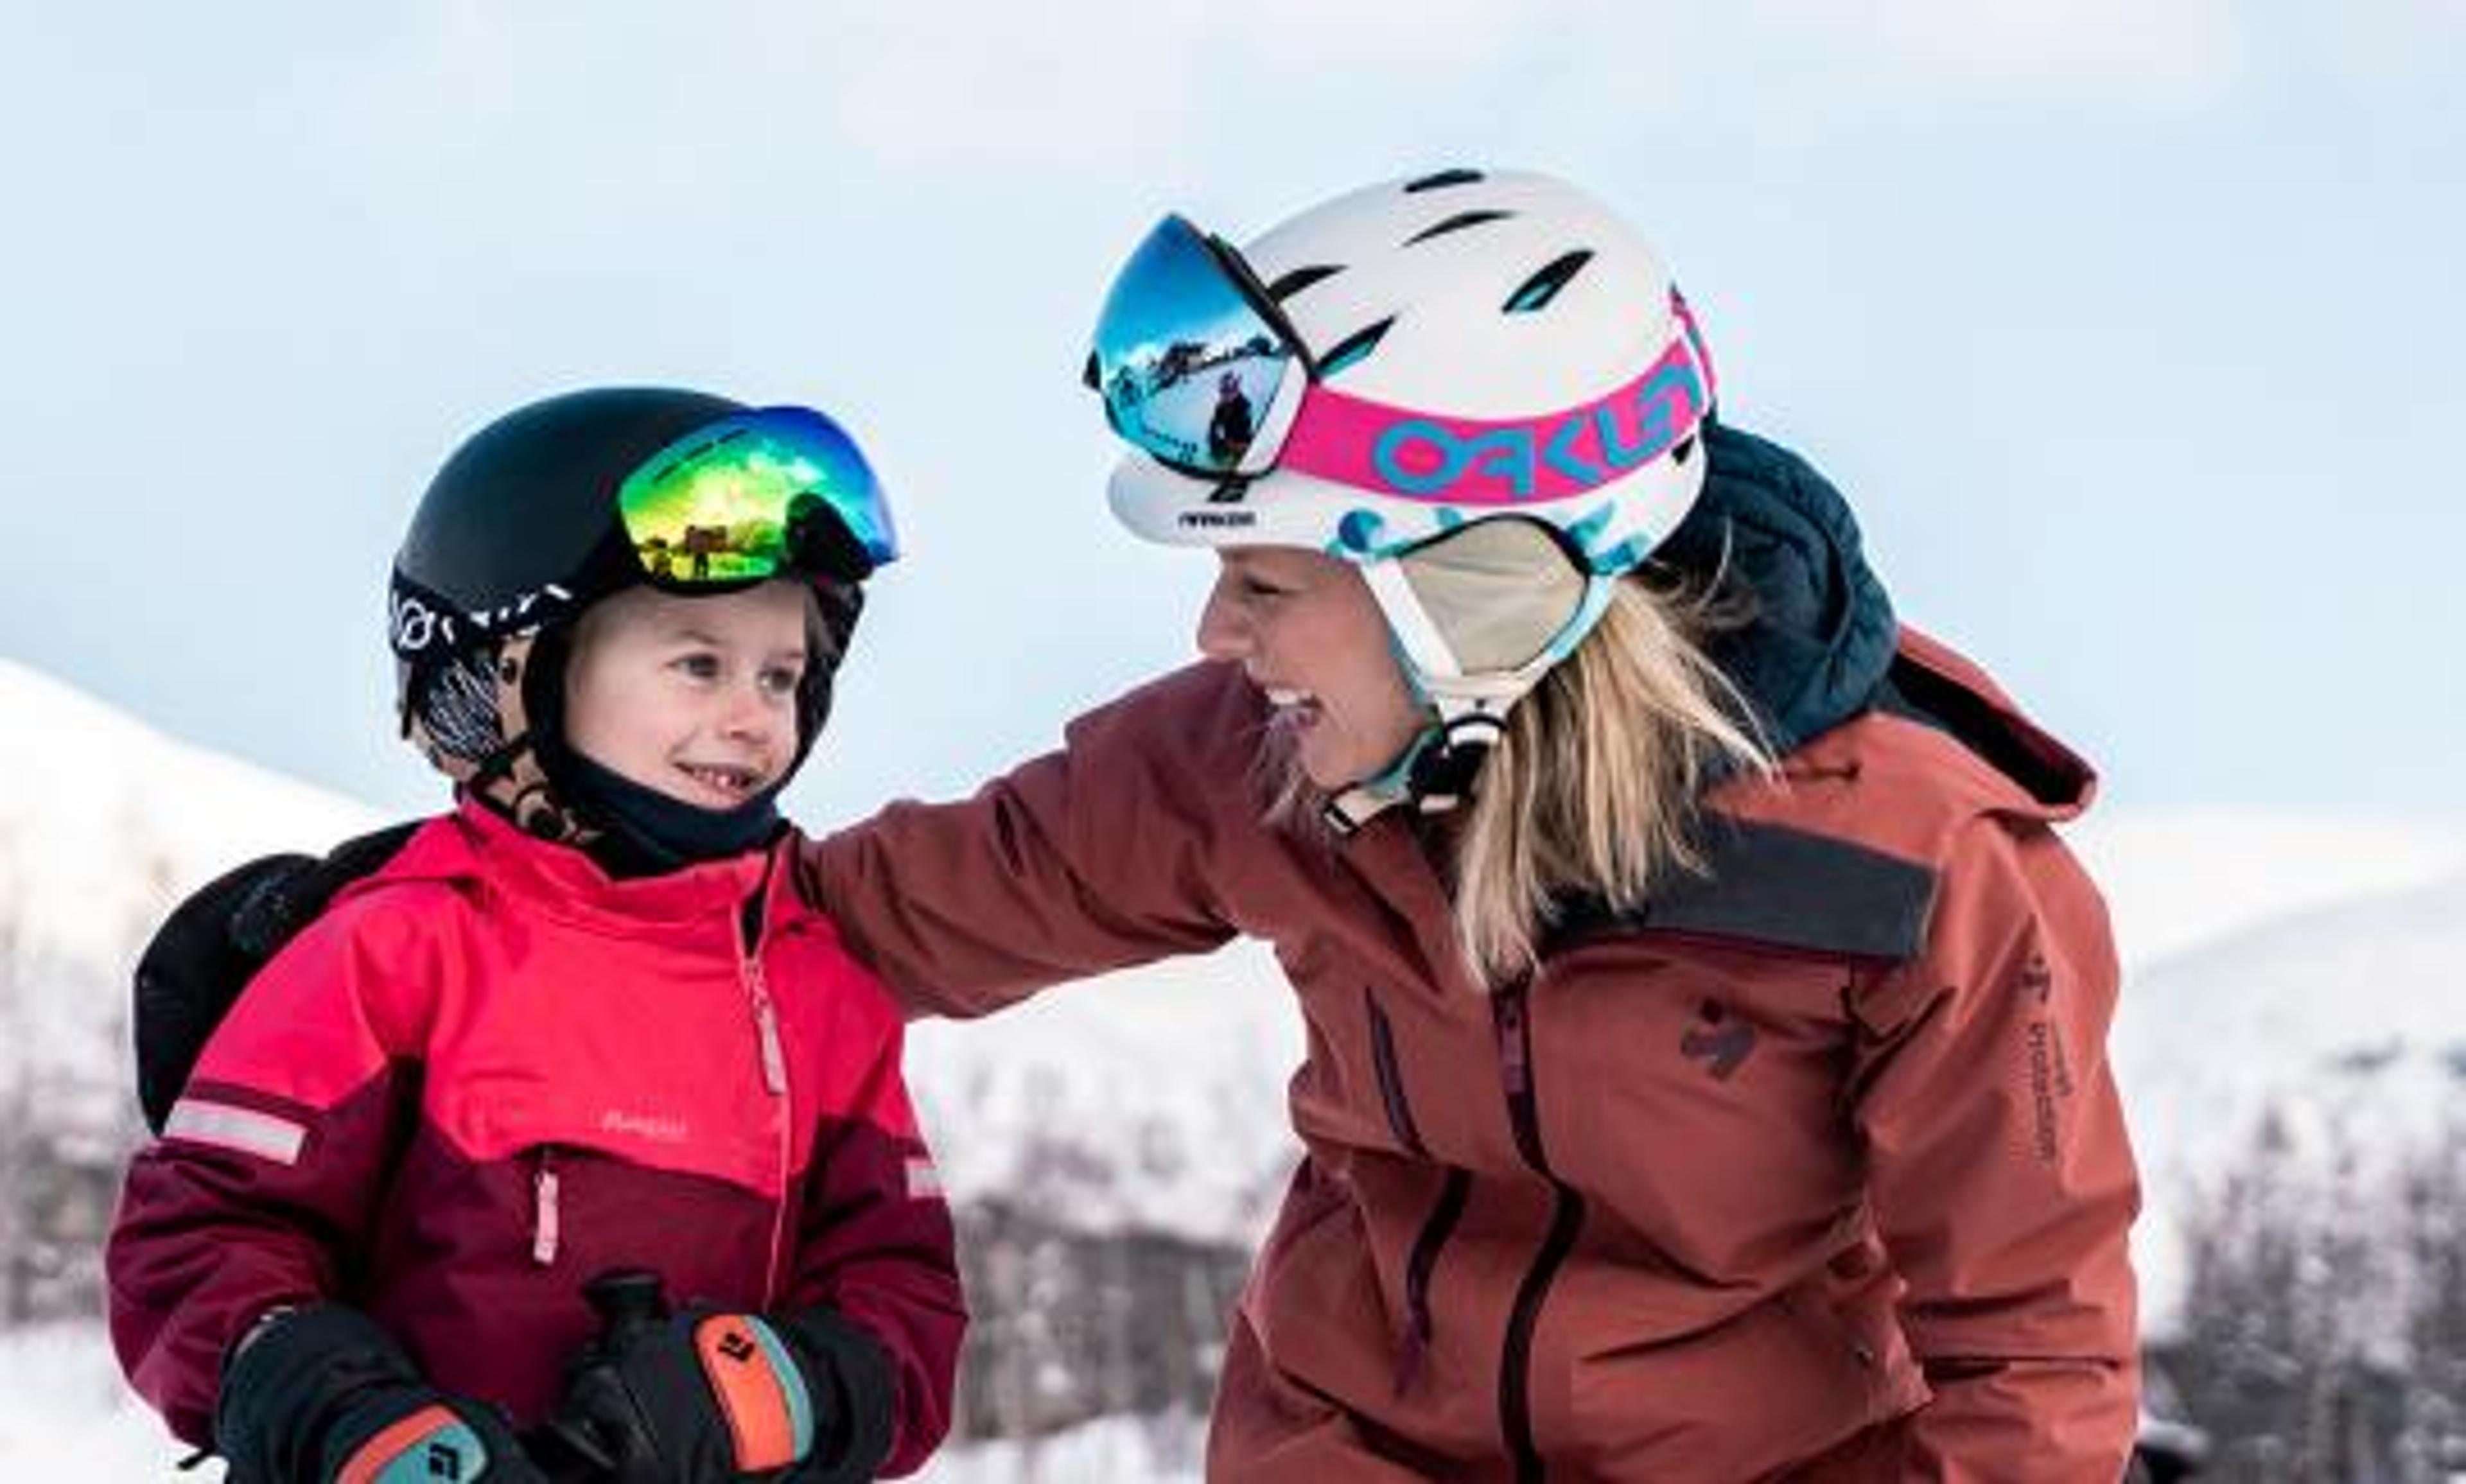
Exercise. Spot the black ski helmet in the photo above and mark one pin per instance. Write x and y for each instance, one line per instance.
(515, 537)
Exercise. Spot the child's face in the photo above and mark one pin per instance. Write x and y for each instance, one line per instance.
(691, 697)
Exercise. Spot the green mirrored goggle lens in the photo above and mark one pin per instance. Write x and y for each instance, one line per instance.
(750, 497)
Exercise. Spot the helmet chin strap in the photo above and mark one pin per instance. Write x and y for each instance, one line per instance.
(1436, 770)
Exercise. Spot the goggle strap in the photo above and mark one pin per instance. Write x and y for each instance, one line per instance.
(1293, 393)
(1498, 463)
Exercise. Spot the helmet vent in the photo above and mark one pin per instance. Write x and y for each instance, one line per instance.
(1456, 223)
(1544, 285)
(1293, 282)
(1440, 180)
(1354, 348)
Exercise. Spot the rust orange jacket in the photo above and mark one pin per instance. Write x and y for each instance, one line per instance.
(1816, 1171)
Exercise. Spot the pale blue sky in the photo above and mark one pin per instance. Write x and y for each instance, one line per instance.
(2132, 330)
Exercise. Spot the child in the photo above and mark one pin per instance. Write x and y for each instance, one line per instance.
(579, 1025)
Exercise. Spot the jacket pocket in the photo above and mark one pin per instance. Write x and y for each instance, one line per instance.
(1390, 1072)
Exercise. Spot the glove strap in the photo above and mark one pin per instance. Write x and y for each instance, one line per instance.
(760, 1390)
(432, 1446)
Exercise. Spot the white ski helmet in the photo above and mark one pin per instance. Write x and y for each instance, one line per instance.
(1400, 365)
(1469, 345)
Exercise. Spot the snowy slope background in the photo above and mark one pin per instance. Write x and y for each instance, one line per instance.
(2304, 965)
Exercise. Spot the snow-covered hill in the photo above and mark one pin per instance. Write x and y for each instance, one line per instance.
(102, 816)
(2347, 1020)
(2178, 880)
(1149, 1099)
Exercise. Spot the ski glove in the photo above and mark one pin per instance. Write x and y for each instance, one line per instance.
(322, 1394)
(217, 939)
(709, 1395)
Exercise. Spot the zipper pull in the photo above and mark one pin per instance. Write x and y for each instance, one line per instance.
(766, 1021)
(547, 1222)
(1511, 1050)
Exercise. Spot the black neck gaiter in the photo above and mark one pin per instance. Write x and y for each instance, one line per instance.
(642, 832)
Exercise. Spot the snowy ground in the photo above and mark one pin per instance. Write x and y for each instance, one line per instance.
(65, 1413)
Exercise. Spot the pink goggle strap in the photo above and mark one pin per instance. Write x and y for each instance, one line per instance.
(1408, 455)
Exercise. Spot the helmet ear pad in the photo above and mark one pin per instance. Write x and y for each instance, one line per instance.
(1496, 592)
(830, 625)
(450, 708)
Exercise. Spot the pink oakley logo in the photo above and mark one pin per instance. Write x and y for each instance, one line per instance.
(1462, 461)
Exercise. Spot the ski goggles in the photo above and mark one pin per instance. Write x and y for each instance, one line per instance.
(757, 495)
(1191, 354)
(1195, 364)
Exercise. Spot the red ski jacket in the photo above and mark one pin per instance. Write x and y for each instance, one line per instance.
(489, 1072)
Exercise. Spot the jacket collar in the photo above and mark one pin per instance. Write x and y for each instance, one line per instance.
(475, 843)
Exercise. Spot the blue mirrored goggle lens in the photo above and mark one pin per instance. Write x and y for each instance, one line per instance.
(778, 490)
(1186, 363)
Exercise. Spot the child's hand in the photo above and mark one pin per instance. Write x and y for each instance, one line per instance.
(706, 1395)
(321, 1393)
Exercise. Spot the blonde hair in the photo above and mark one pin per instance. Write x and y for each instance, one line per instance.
(1592, 791)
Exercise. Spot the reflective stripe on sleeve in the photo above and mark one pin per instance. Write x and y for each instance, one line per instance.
(243, 1130)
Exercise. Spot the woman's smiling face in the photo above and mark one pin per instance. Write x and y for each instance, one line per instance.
(1305, 629)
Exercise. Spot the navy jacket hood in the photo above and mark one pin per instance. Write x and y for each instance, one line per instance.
(1822, 635)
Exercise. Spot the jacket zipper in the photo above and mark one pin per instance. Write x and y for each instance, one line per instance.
(774, 1072)
(1511, 1015)
(546, 1222)
(765, 1029)
(1436, 1229)
(1391, 1078)
(1422, 1259)
(775, 1082)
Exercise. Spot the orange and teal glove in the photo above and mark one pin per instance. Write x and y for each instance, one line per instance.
(322, 1394)
(707, 1395)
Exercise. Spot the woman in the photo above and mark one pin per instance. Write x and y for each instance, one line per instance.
(1706, 1075)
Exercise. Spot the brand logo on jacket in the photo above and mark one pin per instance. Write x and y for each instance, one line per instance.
(658, 1128)
(2034, 979)
(2050, 1080)
(2051, 1072)
(1718, 1039)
